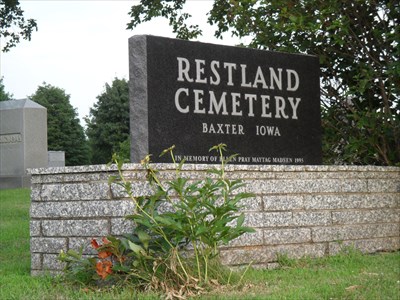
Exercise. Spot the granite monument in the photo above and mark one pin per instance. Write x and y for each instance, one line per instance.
(264, 105)
(23, 141)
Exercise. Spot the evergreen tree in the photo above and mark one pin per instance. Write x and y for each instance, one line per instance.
(108, 122)
(4, 96)
(64, 132)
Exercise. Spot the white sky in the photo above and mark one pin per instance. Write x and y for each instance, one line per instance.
(81, 45)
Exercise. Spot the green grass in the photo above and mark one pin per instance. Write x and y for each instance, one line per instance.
(349, 275)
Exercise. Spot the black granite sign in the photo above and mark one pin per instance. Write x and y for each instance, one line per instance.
(264, 105)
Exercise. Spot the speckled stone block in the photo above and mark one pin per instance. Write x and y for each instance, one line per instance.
(287, 236)
(36, 261)
(384, 185)
(276, 186)
(48, 245)
(333, 201)
(353, 232)
(300, 250)
(277, 219)
(254, 219)
(351, 200)
(86, 177)
(354, 186)
(248, 239)
(323, 186)
(48, 178)
(283, 202)
(139, 188)
(51, 263)
(366, 216)
(120, 226)
(251, 174)
(262, 254)
(35, 192)
(77, 191)
(251, 204)
(253, 254)
(311, 218)
(35, 228)
(366, 246)
(77, 243)
(65, 228)
(81, 209)
(383, 200)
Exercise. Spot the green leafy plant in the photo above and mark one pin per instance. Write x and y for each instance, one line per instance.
(174, 246)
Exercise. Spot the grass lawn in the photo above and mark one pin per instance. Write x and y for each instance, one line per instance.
(346, 276)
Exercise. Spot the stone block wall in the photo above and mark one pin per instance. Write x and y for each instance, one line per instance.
(297, 210)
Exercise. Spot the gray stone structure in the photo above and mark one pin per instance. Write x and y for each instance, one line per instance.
(297, 210)
(194, 95)
(23, 141)
(56, 159)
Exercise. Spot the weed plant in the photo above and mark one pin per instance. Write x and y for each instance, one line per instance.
(173, 248)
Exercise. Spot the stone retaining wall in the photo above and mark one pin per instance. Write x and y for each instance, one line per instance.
(297, 210)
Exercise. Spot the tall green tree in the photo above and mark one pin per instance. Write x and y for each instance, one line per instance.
(4, 96)
(357, 43)
(13, 25)
(64, 132)
(108, 122)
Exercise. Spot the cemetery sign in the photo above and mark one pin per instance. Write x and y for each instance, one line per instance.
(264, 105)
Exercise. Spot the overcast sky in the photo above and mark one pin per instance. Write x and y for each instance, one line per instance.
(81, 45)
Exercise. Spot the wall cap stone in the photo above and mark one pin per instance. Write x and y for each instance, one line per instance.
(229, 168)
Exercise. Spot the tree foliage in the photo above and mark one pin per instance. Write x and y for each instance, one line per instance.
(4, 96)
(357, 43)
(64, 132)
(13, 25)
(108, 122)
(172, 10)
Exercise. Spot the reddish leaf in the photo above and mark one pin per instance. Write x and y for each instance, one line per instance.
(105, 241)
(104, 254)
(94, 243)
(103, 268)
(108, 265)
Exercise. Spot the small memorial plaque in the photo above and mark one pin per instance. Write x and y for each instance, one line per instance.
(264, 105)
